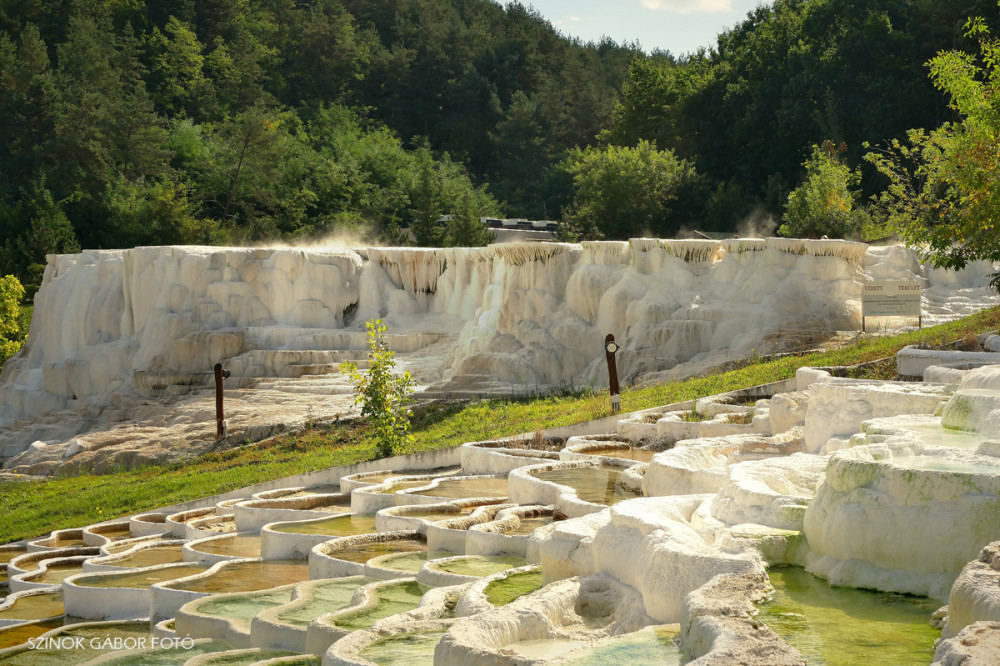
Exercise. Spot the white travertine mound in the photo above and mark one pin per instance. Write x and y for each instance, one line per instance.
(700, 465)
(976, 645)
(975, 596)
(838, 406)
(580, 609)
(649, 545)
(913, 362)
(787, 410)
(564, 548)
(772, 492)
(902, 517)
(717, 628)
(152, 321)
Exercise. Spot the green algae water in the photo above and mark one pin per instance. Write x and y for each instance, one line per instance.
(169, 657)
(410, 649)
(364, 552)
(840, 626)
(243, 657)
(598, 485)
(392, 599)
(323, 598)
(652, 645)
(504, 591)
(244, 607)
(481, 565)
(93, 637)
(349, 525)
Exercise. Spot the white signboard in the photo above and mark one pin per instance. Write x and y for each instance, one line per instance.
(890, 299)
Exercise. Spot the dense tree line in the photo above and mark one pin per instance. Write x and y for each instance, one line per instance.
(750, 112)
(181, 121)
(131, 122)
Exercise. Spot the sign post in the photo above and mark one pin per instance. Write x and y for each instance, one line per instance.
(610, 348)
(891, 298)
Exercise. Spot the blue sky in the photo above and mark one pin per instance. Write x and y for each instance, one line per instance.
(678, 26)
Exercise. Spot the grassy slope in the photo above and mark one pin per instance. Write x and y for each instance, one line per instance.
(30, 509)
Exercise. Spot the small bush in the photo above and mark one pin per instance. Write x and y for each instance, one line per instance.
(384, 396)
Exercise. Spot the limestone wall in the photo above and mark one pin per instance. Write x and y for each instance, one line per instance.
(156, 319)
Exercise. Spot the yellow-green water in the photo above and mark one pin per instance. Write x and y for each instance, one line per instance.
(242, 658)
(22, 633)
(232, 546)
(8, 555)
(434, 516)
(599, 485)
(58, 573)
(324, 598)
(412, 562)
(244, 607)
(462, 488)
(142, 578)
(529, 525)
(410, 649)
(401, 485)
(364, 553)
(839, 626)
(481, 565)
(392, 599)
(501, 592)
(35, 607)
(248, 577)
(116, 534)
(635, 453)
(63, 542)
(121, 547)
(93, 637)
(170, 657)
(348, 525)
(149, 557)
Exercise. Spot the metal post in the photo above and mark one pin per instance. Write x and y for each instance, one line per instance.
(610, 348)
(220, 421)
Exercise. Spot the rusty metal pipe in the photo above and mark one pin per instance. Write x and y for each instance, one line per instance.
(220, 420)
(610, 349)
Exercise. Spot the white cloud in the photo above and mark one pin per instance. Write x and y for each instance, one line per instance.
(688, 6)
(575, 19)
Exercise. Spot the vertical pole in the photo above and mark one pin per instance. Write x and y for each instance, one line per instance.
(862, 323)
(220, 423)
(609, 350)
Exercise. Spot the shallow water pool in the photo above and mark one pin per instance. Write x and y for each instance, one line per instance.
(598, 485)
(410, 649)
(841, 626)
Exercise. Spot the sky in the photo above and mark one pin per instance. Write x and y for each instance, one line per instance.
(678, 26)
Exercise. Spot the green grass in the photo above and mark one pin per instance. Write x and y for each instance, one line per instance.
(29, 509)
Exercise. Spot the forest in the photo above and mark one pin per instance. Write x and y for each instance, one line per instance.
(134, 122)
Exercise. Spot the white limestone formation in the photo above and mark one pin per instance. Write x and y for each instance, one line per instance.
(152, 321)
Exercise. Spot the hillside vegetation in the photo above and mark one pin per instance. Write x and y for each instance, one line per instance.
(132, 122)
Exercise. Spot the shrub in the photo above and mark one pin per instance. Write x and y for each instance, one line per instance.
(384, 395)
